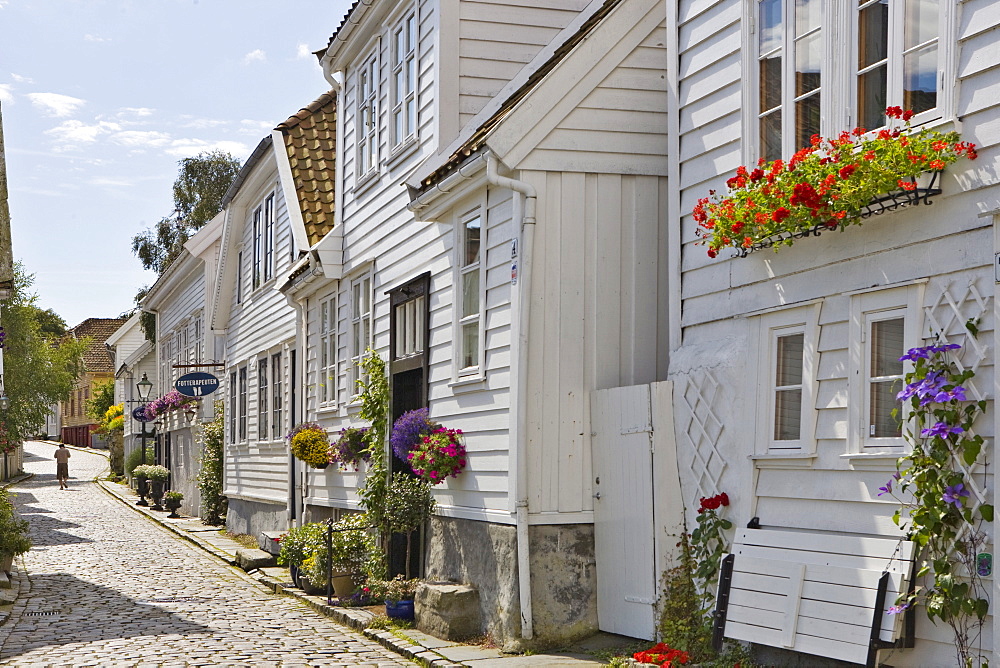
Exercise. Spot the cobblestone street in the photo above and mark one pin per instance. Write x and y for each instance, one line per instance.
(110, 588)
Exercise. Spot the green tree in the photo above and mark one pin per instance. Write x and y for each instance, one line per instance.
(50, 323)
(202, 182)
(102, 398)
(38, 371)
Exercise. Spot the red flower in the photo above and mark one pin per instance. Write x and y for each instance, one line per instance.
(712, 252)
(893, 112)
(907, 185)
(908, 114)
(757, 174)
(846, 171)
(724, 498)
(859, 131)
(936, 164)
(780, 214)
(870, 155)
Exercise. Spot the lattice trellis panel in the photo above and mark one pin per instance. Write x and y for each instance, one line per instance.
(700, 431)
(945, 318)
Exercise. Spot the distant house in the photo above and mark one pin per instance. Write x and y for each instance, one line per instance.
(134, 356)
(76, 426)
(185, 345)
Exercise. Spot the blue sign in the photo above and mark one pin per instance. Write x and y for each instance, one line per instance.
(139, 413)
(197, 384)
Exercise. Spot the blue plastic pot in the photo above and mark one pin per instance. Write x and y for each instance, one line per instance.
(399, 610)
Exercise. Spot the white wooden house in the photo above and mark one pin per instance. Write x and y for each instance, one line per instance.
(455, 99)
(868, 293)
(269, 222)
(184, 345)
(134, 356)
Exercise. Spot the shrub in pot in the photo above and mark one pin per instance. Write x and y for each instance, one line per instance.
(13, 532)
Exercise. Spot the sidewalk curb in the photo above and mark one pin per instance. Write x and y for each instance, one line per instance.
(353, 618)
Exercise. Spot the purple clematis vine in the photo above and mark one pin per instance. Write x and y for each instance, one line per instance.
(942, 429)
(954, 494)
(887, 489)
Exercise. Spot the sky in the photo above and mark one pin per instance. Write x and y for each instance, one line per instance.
(102, 98)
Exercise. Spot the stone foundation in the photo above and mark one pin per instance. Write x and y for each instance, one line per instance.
(255, 517)
(563, 582)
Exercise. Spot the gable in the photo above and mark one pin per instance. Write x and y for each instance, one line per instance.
(610, 114)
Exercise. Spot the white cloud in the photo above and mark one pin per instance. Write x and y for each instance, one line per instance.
(21, 79)
(68, 135)
(54, 104)
(95, 38)
(186, 148)
(5, 93)
(303, 52)
(256, 55)
(255, 127)
(139, 139)
(114, 183)
(139, 112)
(201, 123)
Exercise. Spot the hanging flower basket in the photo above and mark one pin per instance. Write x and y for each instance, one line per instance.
(350, 449)
(439, 455)
(309, 443)
(827, 186)
(170, 402)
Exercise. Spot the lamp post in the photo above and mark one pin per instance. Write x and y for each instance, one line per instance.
(143, 387)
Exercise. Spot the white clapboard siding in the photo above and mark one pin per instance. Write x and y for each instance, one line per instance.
(815, 593)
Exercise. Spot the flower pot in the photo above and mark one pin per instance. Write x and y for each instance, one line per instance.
(399, 610)
(156, 493)
(343, 584)
(293, 573)
(311, 588)
(320, 466)
(172, 505)
(142, 488)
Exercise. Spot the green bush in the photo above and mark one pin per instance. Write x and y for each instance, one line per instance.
(135, 458)
(13, 530)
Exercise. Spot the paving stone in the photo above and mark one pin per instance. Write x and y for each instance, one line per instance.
(161, 600)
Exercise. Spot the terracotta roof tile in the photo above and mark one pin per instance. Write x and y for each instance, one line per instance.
(95, 357)
(310, 142)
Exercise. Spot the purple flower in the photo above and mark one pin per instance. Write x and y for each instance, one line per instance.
(408, 430)
(888, 485)
(896, 609)
(913, 354)
(941, 429)
(954, 493)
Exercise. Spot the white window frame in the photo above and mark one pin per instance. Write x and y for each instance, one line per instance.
(277, 396)
(233, 435)
(947, 53)
(867, 307)
(801, 319)
(263, 398)
(838, 109)
(462, 270)
(262, 222)
(366, 135)
(362, 286)
(241, 418)
(403, 110)
(326, 381)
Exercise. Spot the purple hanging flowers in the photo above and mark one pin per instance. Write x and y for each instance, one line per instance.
(409, 430)
(954, 494)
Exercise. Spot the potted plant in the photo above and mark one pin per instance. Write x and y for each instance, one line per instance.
(351, 449)
(142, 483)
(408, 505)
(297, 545)
(172, 501)
(439, 455)
(309, 442)
(398, 594)
(409, 429)
(352, 545)
(157, 476)
(13, 533)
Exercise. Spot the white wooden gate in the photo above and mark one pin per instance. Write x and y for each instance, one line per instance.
(633, 446)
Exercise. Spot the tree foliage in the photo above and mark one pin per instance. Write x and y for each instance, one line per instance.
(38, 371)
(201, 183)
(50, 323)
(102, 398)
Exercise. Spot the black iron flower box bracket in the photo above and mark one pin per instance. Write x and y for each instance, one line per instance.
(891, 201)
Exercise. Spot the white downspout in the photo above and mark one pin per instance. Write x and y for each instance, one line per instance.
(520, 383)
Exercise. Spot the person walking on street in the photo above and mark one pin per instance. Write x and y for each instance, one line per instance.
(62, 465)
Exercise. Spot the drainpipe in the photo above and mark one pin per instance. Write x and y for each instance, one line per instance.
(520, 383)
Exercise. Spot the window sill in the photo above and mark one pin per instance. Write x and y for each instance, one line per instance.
(468, 383)
(401, 152)
(783, 459)
(875, 460)
(329, 409)
(366, 182)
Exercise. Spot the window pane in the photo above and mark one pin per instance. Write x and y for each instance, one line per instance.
(401, 330)
(470, 345)
(411, 115)
(470, 293)
(789, 360)
(356, 345)
(806, 119)
(770, 25)
(921, 22)
(920, 70)
(400, 46)
(872, 98)
(887, 347)
(411, 32)
(808, 59)
(883, 402)
(770, 136)
(770, 82)
(471, 241)
(873, 34)
(366, 333)
(787, 415)
(808, 15)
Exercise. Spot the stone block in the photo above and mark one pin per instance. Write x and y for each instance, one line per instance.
(268, 541)
(4, 581)
(251, 559)
(448, 610)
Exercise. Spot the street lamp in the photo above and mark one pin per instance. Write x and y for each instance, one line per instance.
(143, 387)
